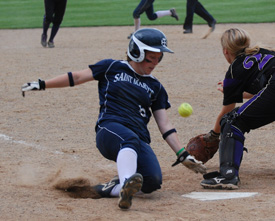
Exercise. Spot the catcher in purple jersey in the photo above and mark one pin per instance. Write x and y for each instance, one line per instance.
(128, 94)
(251, 75)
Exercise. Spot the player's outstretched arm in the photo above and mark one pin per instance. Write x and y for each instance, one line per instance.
(170, 136)
(64, 80)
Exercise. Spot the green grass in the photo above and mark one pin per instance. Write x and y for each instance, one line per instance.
(80, 13)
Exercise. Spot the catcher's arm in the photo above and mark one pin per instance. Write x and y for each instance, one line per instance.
(170, 136)
(225, 109)
(246, 95)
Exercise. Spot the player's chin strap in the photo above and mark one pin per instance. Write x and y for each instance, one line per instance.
(181, 157)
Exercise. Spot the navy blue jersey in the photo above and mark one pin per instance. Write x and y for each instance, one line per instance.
(127, 97)
(246, 74)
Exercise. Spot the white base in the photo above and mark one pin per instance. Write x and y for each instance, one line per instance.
(204, 196)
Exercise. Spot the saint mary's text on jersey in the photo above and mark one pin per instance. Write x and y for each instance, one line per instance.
(132, 80)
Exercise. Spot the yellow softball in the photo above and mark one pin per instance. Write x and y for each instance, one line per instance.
(185, 110)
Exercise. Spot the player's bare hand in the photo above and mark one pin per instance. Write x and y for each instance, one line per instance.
(33, 86)
(220, 86)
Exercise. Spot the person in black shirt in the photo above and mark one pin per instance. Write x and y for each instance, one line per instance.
(54, 12)
(148, 7)
(194, 6)
(251, 75)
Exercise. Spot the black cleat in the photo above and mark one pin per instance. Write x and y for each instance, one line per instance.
(212, 25)
(131, 186)
(44, 40)
(104, 189)
(174, 14)
(51, 44)
(221, 182)
(187, 31)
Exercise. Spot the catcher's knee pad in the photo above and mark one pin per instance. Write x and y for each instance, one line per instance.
(230, 148)
(151, 184)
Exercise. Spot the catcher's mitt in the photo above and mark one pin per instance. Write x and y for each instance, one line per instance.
(203, 147)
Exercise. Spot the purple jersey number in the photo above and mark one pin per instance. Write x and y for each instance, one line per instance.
(259, 58)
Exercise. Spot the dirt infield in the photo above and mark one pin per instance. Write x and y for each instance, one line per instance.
(49, 135)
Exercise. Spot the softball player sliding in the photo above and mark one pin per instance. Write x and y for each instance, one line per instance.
(251, 74)
(128, 93)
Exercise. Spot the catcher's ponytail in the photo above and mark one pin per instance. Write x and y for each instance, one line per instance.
(237, 42)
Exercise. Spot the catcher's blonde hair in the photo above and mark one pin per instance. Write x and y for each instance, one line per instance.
(237, 42)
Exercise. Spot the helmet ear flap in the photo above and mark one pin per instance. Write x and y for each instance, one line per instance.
(160, 58)
(134, 52)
